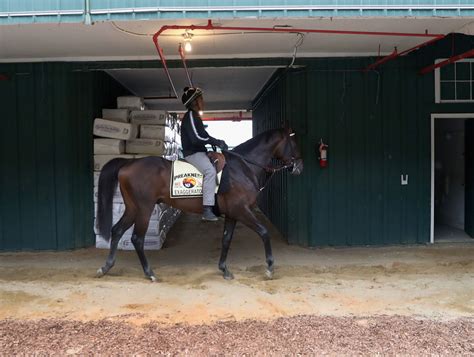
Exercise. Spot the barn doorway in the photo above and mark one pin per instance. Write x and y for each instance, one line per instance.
(451, 176)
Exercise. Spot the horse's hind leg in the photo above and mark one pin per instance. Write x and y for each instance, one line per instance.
(138, 239)
(229, 226)
(117, 232)
(249, 219)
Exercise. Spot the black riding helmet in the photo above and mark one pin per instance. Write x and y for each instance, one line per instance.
(189, 95)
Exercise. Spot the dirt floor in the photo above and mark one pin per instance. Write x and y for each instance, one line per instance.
(372, 289)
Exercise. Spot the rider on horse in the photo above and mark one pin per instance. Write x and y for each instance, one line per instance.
(194, 139)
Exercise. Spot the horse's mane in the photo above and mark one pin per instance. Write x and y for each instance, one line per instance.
(252, 143)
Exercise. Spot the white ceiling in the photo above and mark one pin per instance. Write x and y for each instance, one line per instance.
(129, 40)
(105, 41)
(228, 88)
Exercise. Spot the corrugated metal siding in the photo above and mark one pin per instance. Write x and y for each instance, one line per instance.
(131, 9)
(273, 110)
(41, 11)
(56, 11)
(40, 5)
(358, 199)
(286, 212)
(46, 154)
(377, 126)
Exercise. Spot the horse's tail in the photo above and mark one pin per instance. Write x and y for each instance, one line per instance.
(107, 183)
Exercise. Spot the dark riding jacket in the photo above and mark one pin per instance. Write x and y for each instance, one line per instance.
(193, 135)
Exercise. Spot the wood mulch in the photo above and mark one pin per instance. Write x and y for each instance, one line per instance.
(300, 335)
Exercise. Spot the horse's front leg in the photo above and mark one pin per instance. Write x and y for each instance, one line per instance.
(251, 221)
(229, 226)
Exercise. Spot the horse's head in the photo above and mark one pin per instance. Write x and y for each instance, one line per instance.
(288, 152)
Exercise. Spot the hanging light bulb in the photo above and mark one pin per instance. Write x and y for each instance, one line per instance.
(187, 41)
(187, 46)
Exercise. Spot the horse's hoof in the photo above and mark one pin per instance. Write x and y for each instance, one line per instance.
(269, 274)
(99, 273)
(228, 276)
(153, 279)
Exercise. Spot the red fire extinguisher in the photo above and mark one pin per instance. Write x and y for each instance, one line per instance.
(323, 154)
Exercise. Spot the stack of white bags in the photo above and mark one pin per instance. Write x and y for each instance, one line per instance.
(132, 132)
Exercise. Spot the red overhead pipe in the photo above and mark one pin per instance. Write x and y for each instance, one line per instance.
(181, 53)
(165, 67)
(210, 26)
(450, 60)
(382, 60)
(394, 55)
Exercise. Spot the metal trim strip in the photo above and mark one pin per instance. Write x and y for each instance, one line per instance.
(362, 8)
(282, 8)
(41, 13)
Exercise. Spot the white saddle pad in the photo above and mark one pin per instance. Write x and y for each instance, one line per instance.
(186, 180)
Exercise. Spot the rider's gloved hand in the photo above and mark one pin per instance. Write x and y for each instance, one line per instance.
(222, 145)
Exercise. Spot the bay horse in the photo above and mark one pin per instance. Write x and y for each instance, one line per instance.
(146, 181)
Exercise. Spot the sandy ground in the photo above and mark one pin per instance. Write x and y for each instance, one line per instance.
(434, 282)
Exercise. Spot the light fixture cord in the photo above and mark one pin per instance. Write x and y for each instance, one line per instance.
(298, 43)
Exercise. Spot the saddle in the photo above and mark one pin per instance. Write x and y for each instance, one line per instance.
(186, 179)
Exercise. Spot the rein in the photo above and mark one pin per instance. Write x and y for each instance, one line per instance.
(268, 169)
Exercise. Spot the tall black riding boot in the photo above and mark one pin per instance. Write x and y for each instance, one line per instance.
(207, 214)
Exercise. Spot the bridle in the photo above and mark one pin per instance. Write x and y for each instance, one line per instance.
(270, 169)
(291, 163)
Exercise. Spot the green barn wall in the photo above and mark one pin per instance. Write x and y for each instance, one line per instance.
(46, 154)
(377, 125)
